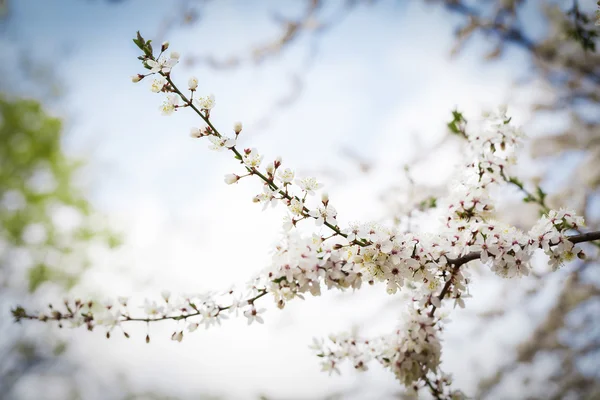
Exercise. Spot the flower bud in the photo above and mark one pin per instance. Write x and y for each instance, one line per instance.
(164, 46)
(178, 336)
(231, 178)
(195, 133)
(193, 83)
(237, 127)
(137, 78)
(175, 55)
(270, 169)
(166, 295)
(325, 198)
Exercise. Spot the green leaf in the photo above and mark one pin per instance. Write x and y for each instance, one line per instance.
(456, 125)
(541, 194)
(515, 181)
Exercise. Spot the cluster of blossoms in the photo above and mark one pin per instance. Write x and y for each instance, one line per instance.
(207, 309)
(302, 265)
(411, 353)
(429, 265)
(508, 250)
(493, 148)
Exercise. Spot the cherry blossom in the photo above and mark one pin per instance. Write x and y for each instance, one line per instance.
(163, 64)
(431, 266)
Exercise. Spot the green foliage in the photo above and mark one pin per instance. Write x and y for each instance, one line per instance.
(37, 182)
(457, 125)
(430, 202)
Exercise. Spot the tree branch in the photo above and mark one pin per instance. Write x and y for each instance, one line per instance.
(458, 262)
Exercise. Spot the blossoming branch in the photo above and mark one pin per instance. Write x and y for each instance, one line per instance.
(431, 266)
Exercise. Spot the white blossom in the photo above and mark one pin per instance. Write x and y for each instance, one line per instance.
(220, 143)
(252, 158)
(285, 175)
(205, 102)
(254, 315)
(237, 127)
(163, 64)
(195, 133)
(296, 207)
(158, 84)
(193, 83)
(324, 214)
(152, 309)
(309, 185)
(231, 178)
(170, 104)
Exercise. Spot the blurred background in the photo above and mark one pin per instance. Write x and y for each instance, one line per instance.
(102, 196)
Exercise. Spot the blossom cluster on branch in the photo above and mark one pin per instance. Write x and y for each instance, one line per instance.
(431, 266)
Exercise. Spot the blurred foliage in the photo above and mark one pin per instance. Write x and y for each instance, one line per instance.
(46, 229)
(44, 219)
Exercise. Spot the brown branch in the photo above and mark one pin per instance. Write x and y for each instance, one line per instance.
(458, 262)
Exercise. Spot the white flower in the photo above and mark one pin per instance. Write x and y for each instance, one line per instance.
(209, 315)
(285, 175)
(269, 196)
(220, 143)
(163, 64)
(193, 83)
(354, 232)
(252, 159)
(237, 127)
(107, 318)
(254, 315)
(158, 84)
(316, 239)
(169, 105)
(206, 102)
(152, 309)
(309, 185)
(330, 366)
(108, 303)
(296, 207)
(324, 214)
(231, 178)
(288, 224)
(382, 242)
(195, 133)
